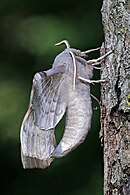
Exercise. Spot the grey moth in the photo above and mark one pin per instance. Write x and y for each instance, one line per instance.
(63, 89)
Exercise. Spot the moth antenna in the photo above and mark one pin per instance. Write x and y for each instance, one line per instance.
(75, 69)
(63, 42)
(100, 58)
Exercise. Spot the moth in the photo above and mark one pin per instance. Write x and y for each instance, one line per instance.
(65, 88)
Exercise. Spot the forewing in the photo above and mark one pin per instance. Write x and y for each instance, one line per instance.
(47, 106)
(48, 100)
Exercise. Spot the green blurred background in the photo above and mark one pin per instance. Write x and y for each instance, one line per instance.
(28, 31)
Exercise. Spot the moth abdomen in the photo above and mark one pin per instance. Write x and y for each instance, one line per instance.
(78, 123)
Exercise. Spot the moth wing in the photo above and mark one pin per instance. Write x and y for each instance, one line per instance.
(36, 144)
(49, 99)
(47, 106)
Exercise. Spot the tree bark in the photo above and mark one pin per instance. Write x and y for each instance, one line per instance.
(115, 97)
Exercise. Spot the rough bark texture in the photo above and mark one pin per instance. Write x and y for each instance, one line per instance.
(115, 97)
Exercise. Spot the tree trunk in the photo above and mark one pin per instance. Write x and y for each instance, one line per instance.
(115, 97)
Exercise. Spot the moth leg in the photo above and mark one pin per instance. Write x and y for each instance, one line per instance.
(90, 50)
(98, 68)
(81, 60)
(93, 61)
(95, 98)
(91, 81)
(96, 64)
